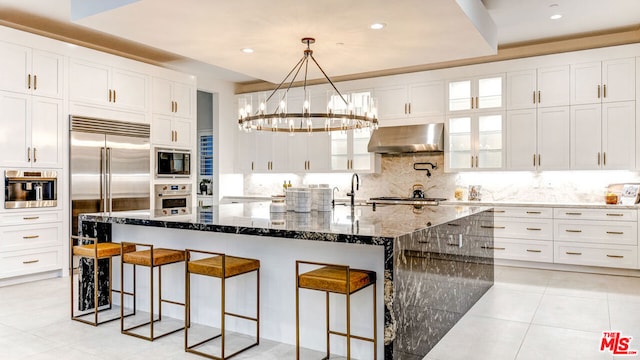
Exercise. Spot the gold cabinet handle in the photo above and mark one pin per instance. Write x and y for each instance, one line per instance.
(176, 106)
(30, 261)
(110, 95)
(28, 154)
(35, 82)
(534, 212)
(471, 102)
(604, 90)
(409, 108)
(176, 131)
(31, 237)
(471, 160)
(573, 253)
(598, 158)
(534, 96)
(534, 229)
(534, 251)
(534, 159)
(35, 154)
(476, 161)
(598, 91)
(539, 161)
(615, 256)
(31, 218)
(497, 211)
(573, 213)
(453, 224)
(573, 231)
(615, 232)
(539, 97)
(615, 214)
(492, 247)
(252, 166)
(29, 81)
(604, 158)
(114, 96)
(492, 227)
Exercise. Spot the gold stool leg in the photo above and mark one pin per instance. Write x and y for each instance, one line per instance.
(223, 310)
(297, 314)
(375, 324)
(327, 323)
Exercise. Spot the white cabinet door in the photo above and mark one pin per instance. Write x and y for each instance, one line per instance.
(129, 89)
(586, 83)
(246, 152)
(183, 132)
(521, 139)
(586, 137)
(460, 150)
(183, 97)
(15, 137)
(478, 93)
(89, 82)
(490, 141)
(298, 151)
(14, 67)
(162, 130)
(553, 86)
(618, 80)
(618, 139)
(46, 132)
(263, 153)
(161, 97)
(426, 99)
(47, 74)
(392, 103)
(319, 152)
(340, 155)
(554, 136)
(521, 90)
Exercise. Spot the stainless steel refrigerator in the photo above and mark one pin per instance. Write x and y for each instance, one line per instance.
(109, 171)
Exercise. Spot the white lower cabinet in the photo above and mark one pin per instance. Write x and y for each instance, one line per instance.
(596, 237)
(523, 233)
(30, 243)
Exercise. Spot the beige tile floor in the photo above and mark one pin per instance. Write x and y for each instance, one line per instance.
(528, 314)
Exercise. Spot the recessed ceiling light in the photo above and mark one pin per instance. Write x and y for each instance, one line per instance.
(555, 17)
(247, 50)
(377, 26)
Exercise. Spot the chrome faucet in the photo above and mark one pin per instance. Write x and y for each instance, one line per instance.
(352, 194)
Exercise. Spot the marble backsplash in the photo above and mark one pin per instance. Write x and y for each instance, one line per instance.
(397, 178)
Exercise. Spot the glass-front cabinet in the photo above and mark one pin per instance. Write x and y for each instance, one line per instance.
(479, 93)
(475, 141)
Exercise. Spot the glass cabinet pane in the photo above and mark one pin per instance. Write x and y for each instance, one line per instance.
(460, 95)
(459, 150)
(361, 156)
(490, 93)
(339, 150)
(490, 141)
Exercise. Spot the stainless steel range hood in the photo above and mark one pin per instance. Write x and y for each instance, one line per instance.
(407, 139)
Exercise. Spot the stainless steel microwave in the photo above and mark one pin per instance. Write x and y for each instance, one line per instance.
(173, 163)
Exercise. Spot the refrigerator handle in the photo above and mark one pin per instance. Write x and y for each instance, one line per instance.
(108, 174)
(103, 198)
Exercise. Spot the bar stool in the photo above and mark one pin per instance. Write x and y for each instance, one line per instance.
(95, 251)
(223, 267)
(151, 258)
(332, 278)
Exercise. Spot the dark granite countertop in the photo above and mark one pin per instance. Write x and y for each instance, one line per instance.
(390, 221)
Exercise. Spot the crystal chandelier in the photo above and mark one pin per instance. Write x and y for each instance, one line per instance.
(342, 112)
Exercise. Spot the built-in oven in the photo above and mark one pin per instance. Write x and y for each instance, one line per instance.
(30, 189)
(173, 163)
(172, 199)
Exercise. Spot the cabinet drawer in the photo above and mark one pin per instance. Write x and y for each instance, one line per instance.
(30, 237)
(526, 250)
(619, 256)
(522, 212)
(25, 218)
(606, 232)
(538, 229)
(25, 262)
(596, 214)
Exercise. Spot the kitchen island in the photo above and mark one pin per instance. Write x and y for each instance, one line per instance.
(433, 264)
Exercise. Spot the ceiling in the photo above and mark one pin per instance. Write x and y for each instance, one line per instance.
(209, 34)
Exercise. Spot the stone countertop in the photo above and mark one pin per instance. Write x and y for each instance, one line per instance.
(539, 204)
(254, 218)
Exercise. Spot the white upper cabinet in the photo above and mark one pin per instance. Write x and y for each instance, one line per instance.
(171, 131)
(543, 87)
(420, 101)
(31, 71)
(601, 136)
(538, 139)
(173, 98)
(475, 141)
(31, 133)
(99, 84)
(600, 82)
(477, 93)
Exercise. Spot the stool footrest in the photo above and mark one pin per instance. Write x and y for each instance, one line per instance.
(352, 336)
(171, 302)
